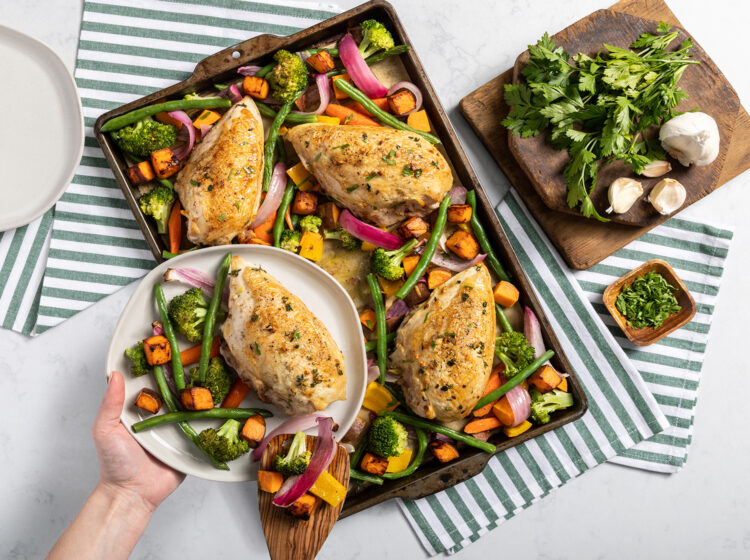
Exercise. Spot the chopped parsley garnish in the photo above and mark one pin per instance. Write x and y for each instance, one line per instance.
(389, 158)
(222, 217)
(352, 188)
(648, 301)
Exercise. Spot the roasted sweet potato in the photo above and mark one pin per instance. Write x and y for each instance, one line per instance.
(157, 350)
(413, 227)
(402, 102)
(437, 276)
(207, 117)
(196, 398)
(165, 163)
(410, 263)
(148, 400)
(322, 62)
(463, 245)
(367, 318)
(311, 246)
(418, 294)
(303, 507)
(166, 118)
(254, 430)
(336, 91)
(270, 481)
(459, 214)
(329, 213)
(504, 412)
(506, 294)
(545, 379)
(141, 173)
(419, 121)
(374, 464)
(305, 203)
(443, 451)
(255, 87)
(563, 386)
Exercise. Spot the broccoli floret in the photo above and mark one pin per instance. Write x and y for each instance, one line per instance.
(388, 437)
(310, 223)
(219, 379)
(158, 204)
(188, 314)
(224, 444)
(544, 403)
(514, 351)
(145, 136)
(289, 77)
(348, 241)
(138, 366)
(375, 37)
(290, 240)
(297, 459)
(388, 263)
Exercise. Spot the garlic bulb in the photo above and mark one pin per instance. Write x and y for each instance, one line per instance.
(667, 196)
(623, 193)
(691, 138)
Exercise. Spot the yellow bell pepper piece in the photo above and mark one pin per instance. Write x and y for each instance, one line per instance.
(367, 246)
(310, 185)
(298, 174)
(390, 287)
(379, 398)
(283, 130)
(517, 430)
(206, 117)
(328, 489)
(311, 246)
(328, 120)
(397, 464)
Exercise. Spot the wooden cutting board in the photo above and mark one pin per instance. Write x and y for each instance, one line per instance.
(581, 242)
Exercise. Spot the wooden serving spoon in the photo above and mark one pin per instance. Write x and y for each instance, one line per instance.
(287, 537)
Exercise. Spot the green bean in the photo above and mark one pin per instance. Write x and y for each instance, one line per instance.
(168, 255)
(440, 429)
(523, 374)
(416, 461)
(286, 200)
(161, 303)
(273, 135)
(213, 310)
(503, 318)
(484, 242)
(295, 220)
(357, 455)
(167, 183)
(291, 118)
(429, 249)
(333, 52)
(281, 149)
(175, 105)
(263, 72)
(382, 116)
(371, 345)
(364, 477)
(184, 416)
(187, 429)
(380, 329)
(373, 59)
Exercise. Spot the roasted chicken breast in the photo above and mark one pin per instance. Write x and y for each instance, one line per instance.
(220, 185)
(380, 174)
(277, 346)
(444, 347)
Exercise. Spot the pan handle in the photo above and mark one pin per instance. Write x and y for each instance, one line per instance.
(237, 55)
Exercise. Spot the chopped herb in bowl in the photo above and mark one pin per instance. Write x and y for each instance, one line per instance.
(648, 301)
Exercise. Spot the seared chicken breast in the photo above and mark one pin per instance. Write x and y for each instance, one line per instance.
(444, 347)
(277, 346)
(380, 174)
(220, 185)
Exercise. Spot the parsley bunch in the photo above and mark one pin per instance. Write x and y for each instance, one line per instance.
(599, 108)
(648, 301)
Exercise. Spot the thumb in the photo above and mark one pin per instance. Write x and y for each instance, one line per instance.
(111, 407)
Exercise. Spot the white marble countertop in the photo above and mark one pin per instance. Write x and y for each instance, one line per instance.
(51, 385)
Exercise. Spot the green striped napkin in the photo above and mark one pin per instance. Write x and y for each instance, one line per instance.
(89, 245)
(637, 417)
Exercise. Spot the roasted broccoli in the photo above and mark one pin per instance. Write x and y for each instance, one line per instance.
(544, 403)
(388, 437)
(375, 37)
(290, 239)
(158, 204)
(297, 458)
(188, 313)
(348, 241)
(144, 137)
(514, 351)
(289, 77)
(224, 444)
(310, 223)
(219, 379)
(138, 366)
(388, 263)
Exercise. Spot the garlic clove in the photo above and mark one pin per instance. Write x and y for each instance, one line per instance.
(691, 138)
(623, 193)
(667, 196)
(657, 168)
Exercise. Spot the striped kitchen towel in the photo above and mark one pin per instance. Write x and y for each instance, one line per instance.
(638, 417)
(89, 245)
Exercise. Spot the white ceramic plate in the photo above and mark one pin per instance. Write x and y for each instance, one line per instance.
(42, 139)
(322, 294)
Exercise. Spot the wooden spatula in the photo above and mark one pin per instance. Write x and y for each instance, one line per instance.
(287, 537)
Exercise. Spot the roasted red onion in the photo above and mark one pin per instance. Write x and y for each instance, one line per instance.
(360, 73)
(368, 233)
(532, 330)
(250, 70)
(399, 308)
(453, 263)
(183, 151)
(457, 194)
(273, 196)
(324, 90)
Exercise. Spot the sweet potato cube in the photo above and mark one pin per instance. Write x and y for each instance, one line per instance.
(545, 379)
(140, 173)
(322, 62)
(374, 464)
(164, 163)
(410, 263)
(417, 295)
(506, 294)
(305, 203)
(563, 386)
(329, 213)
(336, 91)
(148, 400)
(166, 118)
(419, 121)
(255, 87)
(157, 350)
(504, 412)
(402, 102)
(254, 430)
(390, 287)
(459, 214)
(437, 276)
(270, 481)
(196, 398)
(207, 117)
(413, 227)
(311, 246)
(463, 245)
(303, 507)
(443, 451)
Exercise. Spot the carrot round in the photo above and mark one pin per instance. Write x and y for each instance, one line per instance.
(504, 412)
(192, 355)
(482, 425)
(348, 116)
(236, 394)
(174, 226)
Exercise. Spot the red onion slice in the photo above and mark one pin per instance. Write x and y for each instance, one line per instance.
(453, 263)
(291, 426)
(231, 92)
(457, 194)
(417, 97)
(368, 233)
(273, 196)
(325, 450)
(399, 308)
(196, 279)
(358, 69)
(519, 401)
(532, 330)
(204, 128)
(183, 151)
(373, 372)
(158, 328)
(324, 90)
(250, 70)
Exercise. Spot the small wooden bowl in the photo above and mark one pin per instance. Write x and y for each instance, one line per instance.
(649, 335)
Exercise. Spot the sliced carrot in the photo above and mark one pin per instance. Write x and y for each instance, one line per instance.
(504, 412)
(288, 217)
(348, 116)
(174, 226)
(236, 394)
(264, 231)
(367, 318)
(492, 384)
(482, 425)
(192, 355)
